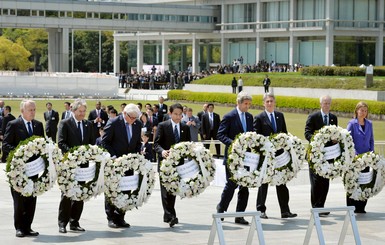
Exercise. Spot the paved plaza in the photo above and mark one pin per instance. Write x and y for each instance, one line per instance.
(195, 217)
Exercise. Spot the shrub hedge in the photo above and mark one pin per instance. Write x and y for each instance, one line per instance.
(289, 102)
(349, 71)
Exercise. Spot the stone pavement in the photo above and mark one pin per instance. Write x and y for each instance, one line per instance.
(195, 219)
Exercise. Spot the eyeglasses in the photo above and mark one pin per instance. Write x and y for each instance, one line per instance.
(132, 118)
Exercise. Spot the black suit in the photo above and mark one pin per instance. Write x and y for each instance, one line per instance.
(229, 128)
(200, 115)
(164, 139)
(115, 141)
(319, 185)
(97, 125)
(68, 137)
(4, 123)
(24, 207)
(209, 133)
(162, 111)
(263, 125)
(51, 122)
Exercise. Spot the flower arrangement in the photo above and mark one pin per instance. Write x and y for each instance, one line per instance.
(360, 187)
(115, 170)
(289, 163)
(331, 163)
(202, 168)
(68, 172)
(255, 149)
(22, 172)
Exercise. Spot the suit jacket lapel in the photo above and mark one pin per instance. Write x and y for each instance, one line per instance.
(267, 120)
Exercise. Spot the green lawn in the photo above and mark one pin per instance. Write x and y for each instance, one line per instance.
(295, 122)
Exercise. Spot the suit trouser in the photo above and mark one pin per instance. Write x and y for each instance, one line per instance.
(319, 187)
(168, 203)
(282, 194)
(24, 211)
(228, 193)
(69, 211)
(360, 205)
(113, 213)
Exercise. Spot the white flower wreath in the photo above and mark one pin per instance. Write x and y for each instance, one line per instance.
(143, 180)
(19, 168)
(361, 186)
(69, 172)
(254, 149)
(342, 154)
(191, 178)
(289, 163)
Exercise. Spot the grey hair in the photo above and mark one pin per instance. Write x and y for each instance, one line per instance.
(25, 102)
(325, 97)
(132, 109)
(78, 103)
(266, 95)
(242, 96)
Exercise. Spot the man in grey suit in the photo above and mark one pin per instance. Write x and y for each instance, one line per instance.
(18, 130)
(51, 118)
(233, 123)
(193, 123)
(267, 123)
(122, 135)
(73, 131)
(169, 133)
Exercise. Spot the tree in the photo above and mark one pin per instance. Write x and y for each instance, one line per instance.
(13, 56)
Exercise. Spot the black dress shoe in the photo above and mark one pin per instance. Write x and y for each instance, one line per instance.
(241, 220)
(324, 214)
(360, 211)
(19, 233)
(173, 221)
(62, 229)
(219, 210)
(124, 224)
(76, 228)
(288, 215)
(112, 224)
(263, 215)
(32, 233)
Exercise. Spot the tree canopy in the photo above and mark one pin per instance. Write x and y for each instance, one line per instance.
(13, 56)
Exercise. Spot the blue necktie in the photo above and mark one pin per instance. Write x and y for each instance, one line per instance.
(325, 119)
(243, 122)
(30, 133)
(273, 123)
(176, 134)
(80, 131)
(128, 132)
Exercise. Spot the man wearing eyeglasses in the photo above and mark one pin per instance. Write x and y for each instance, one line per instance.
(122, 135)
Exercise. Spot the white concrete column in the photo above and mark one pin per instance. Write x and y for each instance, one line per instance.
(292, 49)
(380, 39)
(116, 57)
(258, 48)
(224, 49)
(139, 55)
(165, 54)
(64, 54)
(208, 56)
(329, 45)
(195, 54)
(58, 50)
(158, 52)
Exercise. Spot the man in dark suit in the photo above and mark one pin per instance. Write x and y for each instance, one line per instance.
(267, 123)
(319, 185)
(169, 133)
(51, 118)
(18, 130)
(233, 123)
(73, 131)
(162, 109)
(6, 119)
(67, 111)
(98, 117)
(200, 115)
(210, 125)
(122, 135)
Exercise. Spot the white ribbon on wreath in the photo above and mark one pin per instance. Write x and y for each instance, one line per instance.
(142, 195)
(99, 188)
(266, 147)
(294, 157)
(50, 147)
(205, 173)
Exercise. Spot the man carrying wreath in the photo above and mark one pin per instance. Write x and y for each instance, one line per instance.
(315, 121)
(233, 123)
(73, 131)
(267, 123)
(18, 130)
(169, 133)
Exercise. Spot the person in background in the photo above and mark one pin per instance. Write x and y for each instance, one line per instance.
(98, 140)
(361, 130)
(98, 117)
(146, 148)
(240, 84)
(210, 125)
(194, 124)
(67, 110)
(266, 83)
(51, 118)
(6, 119)
(234, 85)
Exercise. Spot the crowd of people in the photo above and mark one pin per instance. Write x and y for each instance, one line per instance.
(152, 131)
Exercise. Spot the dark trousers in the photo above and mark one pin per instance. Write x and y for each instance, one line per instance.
(266, 88)
(282, 194)
(240, 88)
(168, 203)
(113, 213)
(360, 205)
(51, 135)
(69, 211)
(24, 211)
(319, 187)
(234, 90)
(228, 193)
